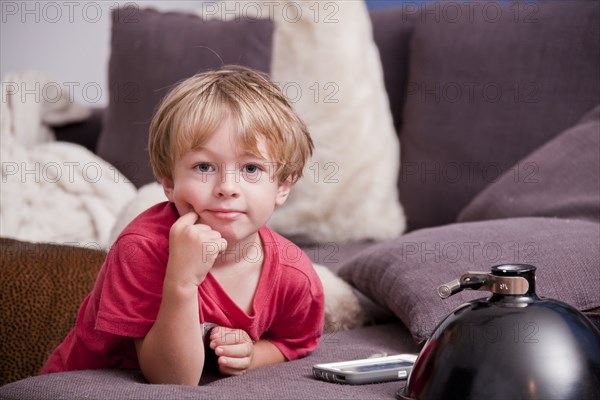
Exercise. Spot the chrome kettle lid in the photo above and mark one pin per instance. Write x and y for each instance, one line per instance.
(511, 345)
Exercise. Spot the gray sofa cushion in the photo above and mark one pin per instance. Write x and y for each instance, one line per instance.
(485, 88)
(153, 52)
(403, 274)
(392, 29)
(560, 179)
(290, 380)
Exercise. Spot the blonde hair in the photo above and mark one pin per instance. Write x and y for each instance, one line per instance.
(192, 111)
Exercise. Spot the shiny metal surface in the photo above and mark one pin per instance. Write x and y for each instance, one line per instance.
(509, 346)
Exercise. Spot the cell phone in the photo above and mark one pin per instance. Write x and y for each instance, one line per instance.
(368, 370)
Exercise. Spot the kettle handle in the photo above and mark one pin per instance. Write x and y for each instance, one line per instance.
(476, 280)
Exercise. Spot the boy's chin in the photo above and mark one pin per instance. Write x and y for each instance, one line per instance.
(237, 239)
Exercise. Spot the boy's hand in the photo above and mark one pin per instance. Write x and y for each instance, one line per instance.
(234, 350)
(193, 248)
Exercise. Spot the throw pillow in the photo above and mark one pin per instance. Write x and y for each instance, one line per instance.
(327, 64)
(151, 52)
(487, 85)
(42, 288)
(560, 179)
(403, 274)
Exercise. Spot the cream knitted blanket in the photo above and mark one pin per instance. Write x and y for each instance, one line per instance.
(52, 191)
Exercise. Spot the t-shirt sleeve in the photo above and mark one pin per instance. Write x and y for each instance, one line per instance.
(132, 289)
(298, 329)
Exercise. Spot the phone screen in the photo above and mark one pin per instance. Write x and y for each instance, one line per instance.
(378, 367)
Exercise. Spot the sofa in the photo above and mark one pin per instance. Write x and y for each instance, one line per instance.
(497, 111)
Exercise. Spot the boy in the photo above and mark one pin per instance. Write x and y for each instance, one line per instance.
(227, 148)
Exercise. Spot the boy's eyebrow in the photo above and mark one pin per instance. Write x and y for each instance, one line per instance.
(257, 160)
(246, 154)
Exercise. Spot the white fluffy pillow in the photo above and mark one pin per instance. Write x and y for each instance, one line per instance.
(326, 62)
(146, 197)
(328, 65)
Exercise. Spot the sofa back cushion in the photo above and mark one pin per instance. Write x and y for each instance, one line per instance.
(392, 29)
(150, 53)
(488, 84)
(559, 180)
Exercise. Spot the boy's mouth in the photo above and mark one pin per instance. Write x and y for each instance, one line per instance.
(225, 214)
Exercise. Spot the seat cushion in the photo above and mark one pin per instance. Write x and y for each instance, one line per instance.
(290, 380)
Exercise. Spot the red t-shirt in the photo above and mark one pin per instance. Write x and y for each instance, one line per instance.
(288, 303)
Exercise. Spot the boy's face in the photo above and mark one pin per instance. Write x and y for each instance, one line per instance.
(233, 192)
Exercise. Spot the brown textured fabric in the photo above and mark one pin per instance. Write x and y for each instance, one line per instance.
(150, 54)
(485, 88)
(289, 380)
(42, 288)
(403, 274)
(560, 179)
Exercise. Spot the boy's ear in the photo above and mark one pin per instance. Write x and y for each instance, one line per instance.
(283, 191)
(168, 186)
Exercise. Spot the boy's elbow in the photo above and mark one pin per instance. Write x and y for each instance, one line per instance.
(182, 382)
(160, 370)
(171, 379)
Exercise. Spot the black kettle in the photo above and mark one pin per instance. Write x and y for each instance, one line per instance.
(513, 345)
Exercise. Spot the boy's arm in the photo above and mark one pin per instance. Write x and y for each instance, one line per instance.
(173, 351)
(266, 353)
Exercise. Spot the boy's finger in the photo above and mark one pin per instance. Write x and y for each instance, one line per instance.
(239, 350)
(233, 364)
(231, 371)
(227, 336)
(188, 218)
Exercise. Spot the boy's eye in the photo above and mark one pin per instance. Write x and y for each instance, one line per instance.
(251, 172)
(204, 167)
(251, 169)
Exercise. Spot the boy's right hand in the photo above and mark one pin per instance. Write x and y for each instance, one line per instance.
(193, 249)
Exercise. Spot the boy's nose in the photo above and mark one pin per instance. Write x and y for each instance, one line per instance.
(228, 184)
